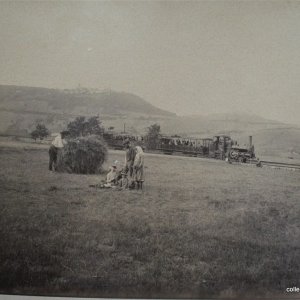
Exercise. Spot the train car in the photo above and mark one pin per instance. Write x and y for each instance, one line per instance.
(184, 145)
(116, 140)
(113, 141)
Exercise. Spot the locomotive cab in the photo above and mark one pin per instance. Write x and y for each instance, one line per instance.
(220, 146)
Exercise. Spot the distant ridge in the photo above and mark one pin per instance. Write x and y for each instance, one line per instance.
(80, 101)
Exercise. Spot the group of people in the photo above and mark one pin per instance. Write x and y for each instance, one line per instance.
(131, 138)
(131, 176)
(179, 142)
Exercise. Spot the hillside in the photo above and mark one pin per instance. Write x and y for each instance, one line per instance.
(283, 143)
(74, 102)
(20, 107)
(231, 124)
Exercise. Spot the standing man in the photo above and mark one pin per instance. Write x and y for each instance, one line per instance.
(138, 166)
(129, 160)
(56, 146)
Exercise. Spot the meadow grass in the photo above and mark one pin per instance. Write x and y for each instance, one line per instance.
(200, 228)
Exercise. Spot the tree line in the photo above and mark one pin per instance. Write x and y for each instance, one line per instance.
(83, 126)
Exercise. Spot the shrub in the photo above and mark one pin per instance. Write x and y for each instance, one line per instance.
(83, 155)
(40, 132)
(153, 136)
(83, 126)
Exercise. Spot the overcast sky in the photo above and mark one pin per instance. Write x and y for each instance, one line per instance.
(192, 57)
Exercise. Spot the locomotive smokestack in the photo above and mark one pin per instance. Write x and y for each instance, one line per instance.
(250, 141)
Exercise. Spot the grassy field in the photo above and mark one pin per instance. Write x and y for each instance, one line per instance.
(200, 228)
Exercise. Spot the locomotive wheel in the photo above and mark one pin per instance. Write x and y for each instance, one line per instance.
(234, 154)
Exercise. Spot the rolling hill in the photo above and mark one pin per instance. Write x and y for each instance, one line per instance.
(21, 107)
(74, 102)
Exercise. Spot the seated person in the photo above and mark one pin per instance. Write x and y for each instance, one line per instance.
(123, 182)
(111, 177)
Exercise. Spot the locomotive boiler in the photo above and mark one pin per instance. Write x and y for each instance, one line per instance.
(242, 153)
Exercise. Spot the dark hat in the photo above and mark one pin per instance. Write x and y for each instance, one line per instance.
(126, 142)
(64, 132)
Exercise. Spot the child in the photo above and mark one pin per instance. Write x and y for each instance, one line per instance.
(123, 182)
(112, 175)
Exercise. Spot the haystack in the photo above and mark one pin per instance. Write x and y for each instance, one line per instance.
(84, 155)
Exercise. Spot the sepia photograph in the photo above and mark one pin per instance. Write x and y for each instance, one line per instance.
(150, 149)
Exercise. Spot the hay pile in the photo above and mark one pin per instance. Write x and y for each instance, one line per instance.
(84, 155)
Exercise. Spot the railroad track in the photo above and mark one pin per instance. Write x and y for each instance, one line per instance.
(280, 165)
(273, 164)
